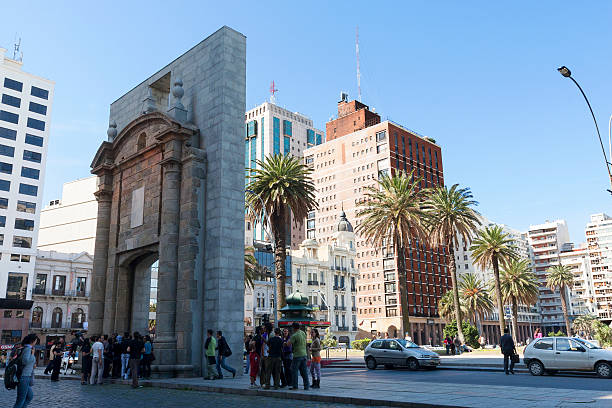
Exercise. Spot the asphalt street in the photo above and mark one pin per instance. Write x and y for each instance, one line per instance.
(562, 381)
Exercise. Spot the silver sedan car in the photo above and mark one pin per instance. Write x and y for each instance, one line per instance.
(399, 352)
(552, 354)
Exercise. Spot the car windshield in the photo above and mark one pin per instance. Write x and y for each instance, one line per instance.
(407, 344)
(588, 345)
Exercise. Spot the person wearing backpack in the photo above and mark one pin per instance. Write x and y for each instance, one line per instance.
(224, 351)
(25, 371)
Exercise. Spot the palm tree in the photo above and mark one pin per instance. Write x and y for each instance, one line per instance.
(518, 286)
(392, 212)
(492, 247)
(476, 298)
(250, 269)
(284, 186)
(561, 277)
(450, 214)
(585, 324)
(446, 307)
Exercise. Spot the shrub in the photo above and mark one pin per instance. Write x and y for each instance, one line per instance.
(328, 340)
(470, 332)
(360, 344)
(557, 334)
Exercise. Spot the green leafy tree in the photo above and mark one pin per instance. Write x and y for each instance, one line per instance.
(471, 333)
(518, 286)
(492, 247)
(250, 268)
(328, 339)
(585, 325)
(360, 344)
(560, 277)
(284, 186)
(392, 213)
(450, 214)
(475, 297)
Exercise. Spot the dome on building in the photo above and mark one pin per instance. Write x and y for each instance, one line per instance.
(344, 225)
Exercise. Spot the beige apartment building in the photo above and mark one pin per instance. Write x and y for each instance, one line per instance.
(359, 149)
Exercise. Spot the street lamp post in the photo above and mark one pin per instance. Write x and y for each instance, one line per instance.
(268, 230)
(565, 71)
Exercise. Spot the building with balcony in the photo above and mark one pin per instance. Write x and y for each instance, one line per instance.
(352, 159)
(599, 244)
(60, 294)
(529, 315)
(546, 241)
(326, 273)
(581, 299)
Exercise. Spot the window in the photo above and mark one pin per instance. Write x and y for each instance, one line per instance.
(286, 145)
(36, 124)
(8, 151)
(2, 221)
(544, 344)
(33, 140)
(11, 336)
(8, 133)
(16, 285)
(22, 242)
(378, 344)
(12, 84)
(56, 318)
(81, 285)
(40, 93)
(9, 117)
(38, 108)
(23, 224)
(15, 257)
(11, 100)
(25, 258)
(5, 185)
(28, 189)
(6, 168)
(29, 173)
(32, 156)
(319, 139)
(287, 128)
(41, 284)
(310, 137)
(8, 314)
(276, 135)
(37, 315)
(27, 207)
(59, 285)
(380, 136)
(78, 317)
(19, 314)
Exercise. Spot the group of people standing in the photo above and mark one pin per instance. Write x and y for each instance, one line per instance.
(217, 351)
(119, 357)
(281, 355)
(453, 346)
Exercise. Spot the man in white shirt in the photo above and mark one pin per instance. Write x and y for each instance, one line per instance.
(97, 366)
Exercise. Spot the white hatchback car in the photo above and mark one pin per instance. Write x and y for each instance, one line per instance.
(552, 354)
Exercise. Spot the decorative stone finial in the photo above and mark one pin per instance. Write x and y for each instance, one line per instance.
(149, 102)
(178, 111)
(111, 132)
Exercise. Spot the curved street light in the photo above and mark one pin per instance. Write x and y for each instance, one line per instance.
(565, 71)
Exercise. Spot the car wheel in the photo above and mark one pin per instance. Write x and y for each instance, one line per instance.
(412, 364)
(388, 366)
(536, 368)
(603, 370)
(371, 363)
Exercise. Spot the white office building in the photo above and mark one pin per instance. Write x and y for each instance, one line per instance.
(599, 244)
(271, 129)
(69, 224)
(25, 113)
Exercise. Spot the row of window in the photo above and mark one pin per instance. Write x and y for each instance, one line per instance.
(26, 189)
(18, 242)
(28, 172)
(22, 206)
(14, 118)
(9, 151)
(20, 223)
(16, 103)
(12, 135)
(18, 86)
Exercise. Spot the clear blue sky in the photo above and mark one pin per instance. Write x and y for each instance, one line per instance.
(482, 81)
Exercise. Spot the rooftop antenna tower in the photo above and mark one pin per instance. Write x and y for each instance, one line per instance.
(358, 70)
(273, 92)
(17, 56)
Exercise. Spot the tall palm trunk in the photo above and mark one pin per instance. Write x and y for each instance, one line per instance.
(403, 293)
(452, 266)
(514, 319)
(498, 295)
(564, 307)
(280, 255)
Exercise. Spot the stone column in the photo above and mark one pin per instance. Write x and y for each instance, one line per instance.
(100, 264)
(168, 259)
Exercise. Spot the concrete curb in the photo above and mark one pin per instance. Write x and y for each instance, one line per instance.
(445, 367)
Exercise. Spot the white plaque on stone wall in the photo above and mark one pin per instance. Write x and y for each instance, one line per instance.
(137, 216)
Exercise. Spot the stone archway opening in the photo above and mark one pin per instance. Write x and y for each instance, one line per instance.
(392, 331)
(143, 274)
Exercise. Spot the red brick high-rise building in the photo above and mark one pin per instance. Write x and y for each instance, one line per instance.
(359, 148)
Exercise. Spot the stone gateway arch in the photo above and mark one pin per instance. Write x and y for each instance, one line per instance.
(170, 193)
